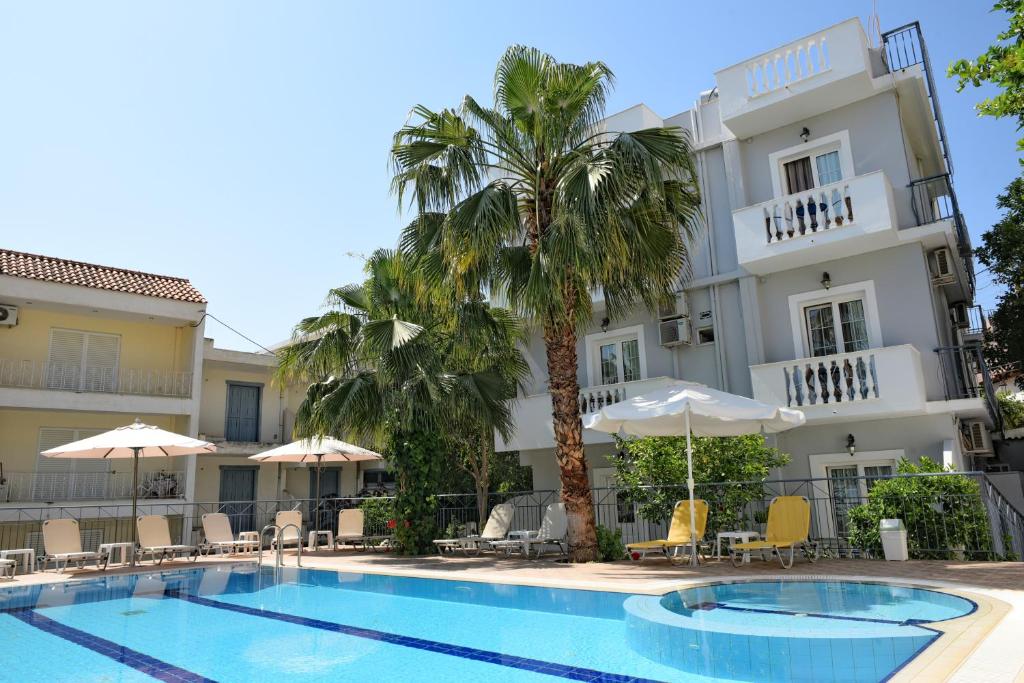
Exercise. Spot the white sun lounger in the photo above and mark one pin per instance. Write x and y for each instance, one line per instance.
(498, 523)
(218, 536)
(155, 539)
(351, 531)
(292, 535)
(62, 543)
(551, 533)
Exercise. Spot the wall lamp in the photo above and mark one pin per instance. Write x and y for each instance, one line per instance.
(851, 444)
(805, 134)
(826, 280)
(605, 322)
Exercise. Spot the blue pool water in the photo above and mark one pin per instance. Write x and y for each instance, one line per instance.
(243, 624)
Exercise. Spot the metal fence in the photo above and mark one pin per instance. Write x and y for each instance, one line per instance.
(961, 518)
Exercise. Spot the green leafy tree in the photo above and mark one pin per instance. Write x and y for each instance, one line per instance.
(1002, 65)
(1012, 410)
(404, 366)
(1002, 253)
(654, 472)
(944, 515)
(534, 197)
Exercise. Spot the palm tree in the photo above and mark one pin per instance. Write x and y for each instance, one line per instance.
(535, 197)
(409, 369)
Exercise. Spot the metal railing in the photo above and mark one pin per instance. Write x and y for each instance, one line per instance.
(965, 518)
(977, 320)
(965, 375)
(933, 199)
(72, 486)
(34, 374)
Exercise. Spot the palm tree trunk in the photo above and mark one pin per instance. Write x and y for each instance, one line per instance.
(560, 343)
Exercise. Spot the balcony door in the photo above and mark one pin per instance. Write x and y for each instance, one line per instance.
(836, 326)
(242, 417)
(83, 361)
(237, 493)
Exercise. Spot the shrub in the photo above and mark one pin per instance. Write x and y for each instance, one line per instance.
(609, 544)
(376, 513)
(944, 515)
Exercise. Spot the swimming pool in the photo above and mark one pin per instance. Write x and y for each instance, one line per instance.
(240, 623)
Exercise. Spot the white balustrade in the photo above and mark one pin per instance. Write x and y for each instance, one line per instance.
(32, 374)
(832, 379)
(802, 213)
(786, 65)
(64, 486)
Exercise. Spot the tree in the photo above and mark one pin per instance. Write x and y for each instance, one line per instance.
(1002, 65)
(401, 365)
(1002, 252)
(534, 197)
(653, 473)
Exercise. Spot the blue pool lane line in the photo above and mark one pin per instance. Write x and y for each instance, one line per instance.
(512, 661)
(139, 661)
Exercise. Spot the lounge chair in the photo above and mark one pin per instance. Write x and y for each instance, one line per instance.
(7, 568)
(218, 536)
(498, 523)
(789, 523)
(678, 533)
(552, 532)
(62, 543)
(155, 540)
(289, 524)
(351, 531)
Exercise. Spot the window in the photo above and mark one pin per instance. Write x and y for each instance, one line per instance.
(242, 415)
(828, 168)
(375, 480)
(802, 175)
(82, 361)
(798, 175)
(620, 361)
(849, 486)
(706, 335)
(825, 337)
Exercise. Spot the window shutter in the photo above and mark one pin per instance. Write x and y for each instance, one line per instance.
(51, 437)
(65, 361)
(101, 356)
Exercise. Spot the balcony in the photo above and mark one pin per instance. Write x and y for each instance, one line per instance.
(878, 382)
(66, 486)
(804, 78)
(533, 413)
(966, 379)
(835, 221)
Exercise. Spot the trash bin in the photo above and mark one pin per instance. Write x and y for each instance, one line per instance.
(894, 539)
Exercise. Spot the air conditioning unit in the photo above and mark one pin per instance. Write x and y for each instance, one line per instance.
(674, 332)
(675, 309)
(8, 315)
(958, 314)
(943, 272)
(977, 440)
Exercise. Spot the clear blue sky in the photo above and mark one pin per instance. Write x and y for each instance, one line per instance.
(244, 145)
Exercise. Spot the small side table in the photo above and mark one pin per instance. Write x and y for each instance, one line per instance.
(732, 537)
(124, 551)
(249, 541)
(27, 556)
(314, 539)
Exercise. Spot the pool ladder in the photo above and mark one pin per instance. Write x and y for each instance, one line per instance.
(278, 533)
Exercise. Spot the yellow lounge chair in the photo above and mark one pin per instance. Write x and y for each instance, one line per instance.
(789, 523)
(678, 532)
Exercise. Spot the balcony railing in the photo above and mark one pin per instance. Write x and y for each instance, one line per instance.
(933, 199)
(63, 486)
(965, 375)
(889, 378)
(830, 219)
(977, 321)
(31, 374)
(786, 65)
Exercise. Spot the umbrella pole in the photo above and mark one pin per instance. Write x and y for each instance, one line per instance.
(135, 502)
(690, 484)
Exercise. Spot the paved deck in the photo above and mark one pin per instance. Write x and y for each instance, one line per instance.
(985, 648)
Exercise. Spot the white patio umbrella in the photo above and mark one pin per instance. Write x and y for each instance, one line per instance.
(318, 450)
(134, 441)
(691, 408)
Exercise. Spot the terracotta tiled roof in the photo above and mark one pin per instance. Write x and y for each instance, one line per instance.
(51, 269)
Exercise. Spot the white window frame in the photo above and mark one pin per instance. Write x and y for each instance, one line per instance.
(858, 290)
(594, 342)
(837, 142)
(820, 463)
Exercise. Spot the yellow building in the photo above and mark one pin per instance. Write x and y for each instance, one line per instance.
(85, 348)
